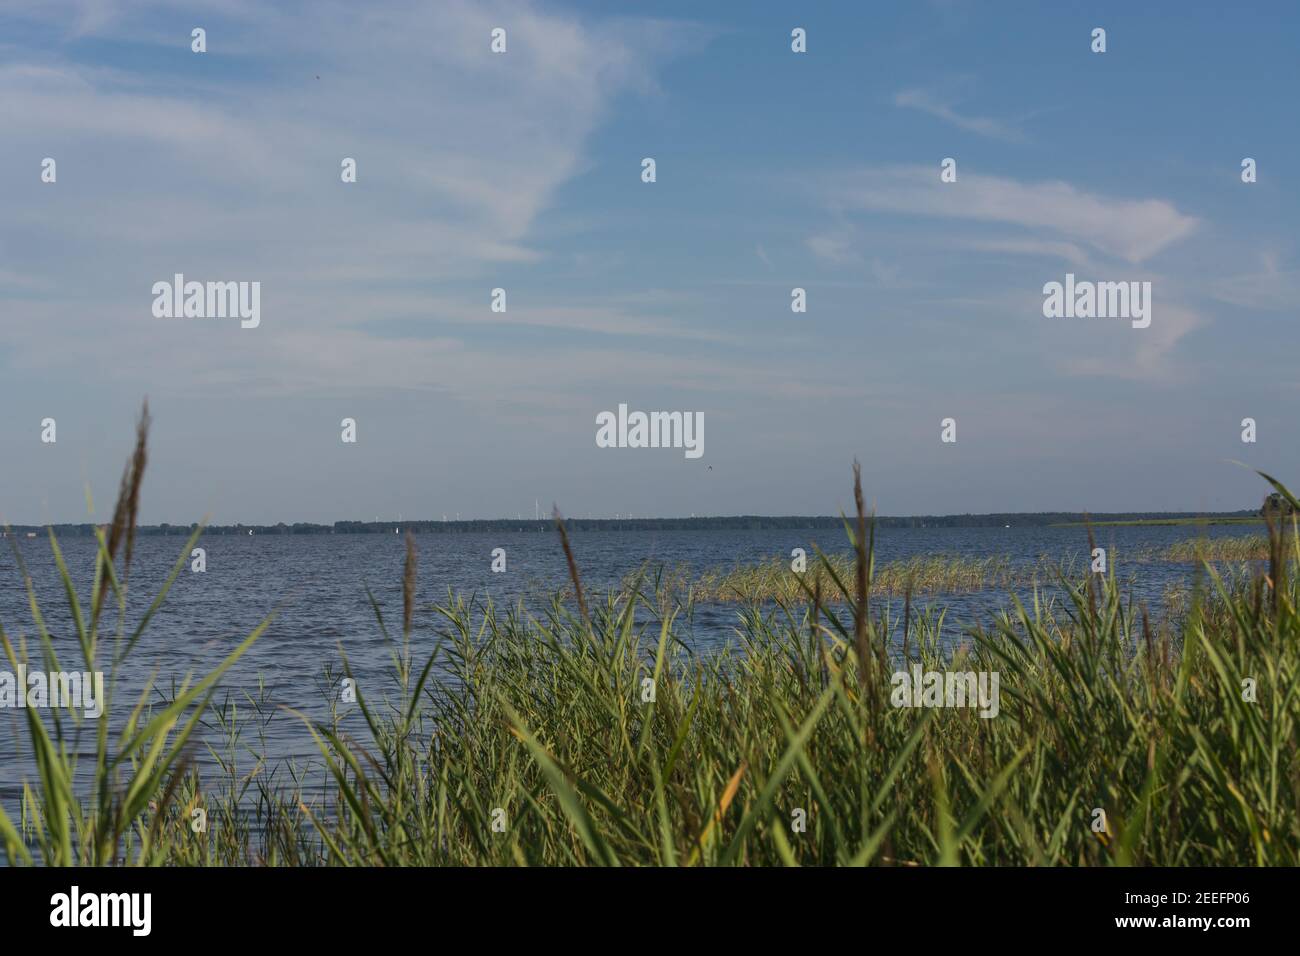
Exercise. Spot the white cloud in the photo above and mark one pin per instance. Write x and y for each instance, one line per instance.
(231, 171)
(1271, 290)
(1144, 355)
(1068, 251)
(836, 247)
(928, 103)
(1132, 230)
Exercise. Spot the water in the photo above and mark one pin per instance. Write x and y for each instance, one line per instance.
(318, 584)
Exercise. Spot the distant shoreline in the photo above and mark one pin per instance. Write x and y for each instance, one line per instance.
(733, 523)
(1151, 522)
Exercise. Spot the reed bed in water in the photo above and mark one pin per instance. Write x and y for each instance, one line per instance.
(776, 579)
(1220, 550)
(591, 733)
(1223, 551)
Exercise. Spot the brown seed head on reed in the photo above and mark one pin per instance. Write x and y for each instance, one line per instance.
(408, 584)
(126, 511)
(860, 548)
(573, 565)
(1092, 550)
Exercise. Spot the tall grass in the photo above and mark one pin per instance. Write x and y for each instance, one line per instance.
(590, 733)
(135, 778)
(548, 721)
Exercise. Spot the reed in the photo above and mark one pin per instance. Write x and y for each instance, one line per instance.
(589, 732)
(775, 580)
(137, 778)
(1219, 550)
(544, 727)
(1100, 710)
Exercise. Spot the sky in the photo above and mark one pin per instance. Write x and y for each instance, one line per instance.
(522, 170)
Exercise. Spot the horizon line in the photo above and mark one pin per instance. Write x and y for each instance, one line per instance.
(414, 524)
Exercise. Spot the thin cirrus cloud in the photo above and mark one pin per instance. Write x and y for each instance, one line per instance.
(1145, 358)
(834, 247)
(1270, 290)
(1044, 248)
(1058, 221)
(982, 125)
(1126, 229)
(205, 172)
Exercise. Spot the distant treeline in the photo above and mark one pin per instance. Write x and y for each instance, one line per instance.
(741, 522)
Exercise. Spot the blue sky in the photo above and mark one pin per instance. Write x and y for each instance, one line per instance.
(522, 171)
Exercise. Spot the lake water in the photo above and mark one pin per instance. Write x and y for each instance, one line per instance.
(318, 582)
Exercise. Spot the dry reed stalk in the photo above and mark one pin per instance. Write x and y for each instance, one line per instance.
(573, 566)
(860, 550)
(408, 584)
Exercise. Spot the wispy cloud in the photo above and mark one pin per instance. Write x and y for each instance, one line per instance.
(1068, 251)
(459, 152)
(834, 247)
(1084, 229)
(1128, 229)
(1142, 355)
(1272, 289)
(927, 102)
